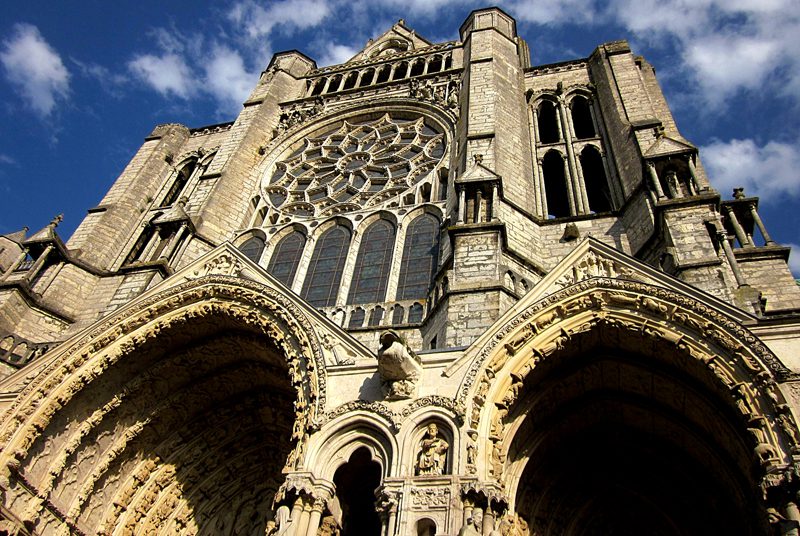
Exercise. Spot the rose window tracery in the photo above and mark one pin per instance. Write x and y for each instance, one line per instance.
(355, 164)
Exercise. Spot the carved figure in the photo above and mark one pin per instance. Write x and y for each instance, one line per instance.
(469, 528)
(398, 366)
(282, 521)
(433, 453)
(328, 527)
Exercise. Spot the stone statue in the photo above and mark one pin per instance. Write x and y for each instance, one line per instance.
(433, 453)
(328, 527)
(469, 528)
(398, 366)
(282, 522)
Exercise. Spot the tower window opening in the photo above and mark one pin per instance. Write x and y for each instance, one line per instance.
(594, 176)
(582, 118)
(548, 123)
(555, 185)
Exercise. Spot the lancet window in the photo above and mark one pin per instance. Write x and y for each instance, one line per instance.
(420, 257)
(573, 175)
(325, 270)
(373, 263)
(286, 257)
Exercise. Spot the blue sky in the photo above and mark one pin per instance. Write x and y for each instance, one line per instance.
(82, 83)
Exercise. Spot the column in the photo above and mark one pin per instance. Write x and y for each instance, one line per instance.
(488, 520)
(316, 515)
(173, 244)
(651, 167)
(737, 228)
(294, 517)
(580, 206)
(702, 185)
(462, 205)
(537, 171)
(573, 203)
(469, 505)
(760, 225)
(722, 236)
(301, 529)
(478, 217)
(14, 265)
(793, 515)
(38, 264)
(542, 193)
(493, 203)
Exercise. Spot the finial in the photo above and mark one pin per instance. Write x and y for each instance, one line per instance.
(477, 158)
(738, 193)
(55, 221)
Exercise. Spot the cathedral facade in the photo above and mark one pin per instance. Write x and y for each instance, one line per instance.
(434, 290)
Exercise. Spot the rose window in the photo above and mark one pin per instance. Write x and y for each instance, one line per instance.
(355, 165)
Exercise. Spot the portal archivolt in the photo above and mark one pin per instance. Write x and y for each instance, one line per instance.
(180, 423)
(618, 407)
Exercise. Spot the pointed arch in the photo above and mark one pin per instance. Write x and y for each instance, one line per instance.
(420, 258)
(326, 268)
(158, 405)
(604, 349)
(373, 263)
(286, 257)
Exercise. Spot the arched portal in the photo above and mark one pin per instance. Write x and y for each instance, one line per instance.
(612, 442)
(614, 407)
(176, 416)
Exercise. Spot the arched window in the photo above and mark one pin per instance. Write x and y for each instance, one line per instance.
(383, 74)
(179, 184)
(286, 257)
(319, 85)
(555, 185)
(350, 81)
(400, 71)
(420, 256)
(252, 248)
(548, 123)
(326, 267)
(582, 118)
(435, 64)
(594, 177)
(334, 84)
(418, 67)
(373, 264)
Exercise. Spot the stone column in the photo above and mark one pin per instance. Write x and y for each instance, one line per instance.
(173, 244)
(702, 185)
(478, 217)
(573, 203)
(793, 515)
(537, 170)
(294, 517)
(493, 203)
(737, 228)
(726, 246)
(462, 205)
(39, 263)
(14, 265)
(542, 193)
(573, 182)
(301, 529)
(488, 521)
(651, 168)
(316, 515)
(760, 225)
(469, 506)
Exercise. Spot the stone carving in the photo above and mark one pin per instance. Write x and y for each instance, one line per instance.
(224, 264)
(512, 525)
(430, 497)
(472, 527)
(433, 453)
(472, 452)
(297, 115)
(328, 526)
(398, 366)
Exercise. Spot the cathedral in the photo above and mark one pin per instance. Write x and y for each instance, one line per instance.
(433, 290)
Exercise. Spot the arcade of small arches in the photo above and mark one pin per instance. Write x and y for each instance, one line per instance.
(378, 74)
(572, 171)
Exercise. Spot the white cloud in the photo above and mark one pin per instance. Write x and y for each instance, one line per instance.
(794, 260)
(770, 171)
(227, 79)
(167, 74)
(552, 11)
(258, 21)
(5, 159)
(336, 54)
(35, 69)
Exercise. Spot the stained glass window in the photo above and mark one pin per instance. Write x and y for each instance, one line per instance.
(420, 256)
(373, 264)
(286, 257)
(252, 248)
(326, 267)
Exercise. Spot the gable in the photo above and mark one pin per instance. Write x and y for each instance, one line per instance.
(398, 39)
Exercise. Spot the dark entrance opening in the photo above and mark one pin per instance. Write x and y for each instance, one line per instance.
(356, 482)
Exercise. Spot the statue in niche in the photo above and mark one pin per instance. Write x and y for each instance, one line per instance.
(281, 523)
(398, 366)
(433, 453)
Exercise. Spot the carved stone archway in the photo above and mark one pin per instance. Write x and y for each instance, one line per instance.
(561, 382)
(178, 414)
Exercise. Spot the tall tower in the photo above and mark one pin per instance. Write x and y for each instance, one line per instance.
(432, 288)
